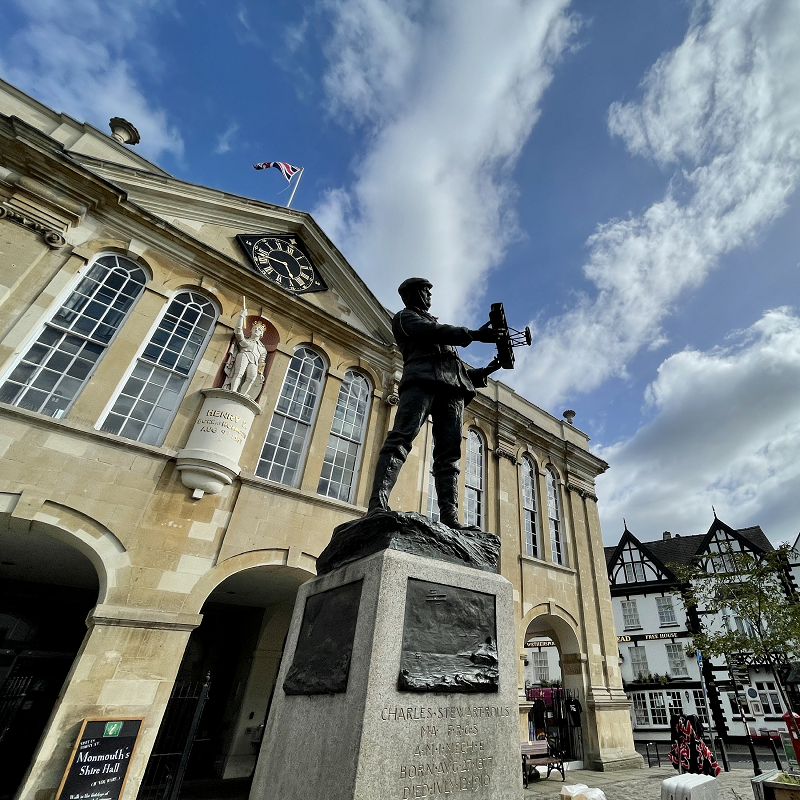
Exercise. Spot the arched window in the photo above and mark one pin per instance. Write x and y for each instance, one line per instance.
(473, 480)
(529, 507)
(148, 402)
(56, 366)
(347, 436)
(290, 428)
(554, 512)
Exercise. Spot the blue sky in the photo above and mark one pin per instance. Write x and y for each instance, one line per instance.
(621, 174)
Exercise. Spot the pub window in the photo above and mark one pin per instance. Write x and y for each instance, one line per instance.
(640, 708)
(675, 703)
(347, 436)
(657, 708)
(54, 369)
(474, 480)
(630, 614)
(554, 514)
(541, 667)
(148, 402)
(529, 506)
(666, 612)
(290, 429)
(700, 706)
(639, 662)
(676, 657)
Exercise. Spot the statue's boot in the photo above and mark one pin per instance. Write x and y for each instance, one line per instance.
(386, 473)
(447, 495)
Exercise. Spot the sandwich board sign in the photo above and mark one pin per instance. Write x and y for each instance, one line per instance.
(98, 766)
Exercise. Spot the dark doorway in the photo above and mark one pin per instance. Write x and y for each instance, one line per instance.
(42, 626)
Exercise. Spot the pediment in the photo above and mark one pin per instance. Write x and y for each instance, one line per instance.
(216, 219)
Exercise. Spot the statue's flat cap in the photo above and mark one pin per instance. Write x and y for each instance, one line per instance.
(413, 283)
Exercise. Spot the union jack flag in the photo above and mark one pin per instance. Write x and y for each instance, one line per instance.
(287, 170)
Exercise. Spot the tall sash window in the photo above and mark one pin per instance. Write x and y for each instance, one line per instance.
(148, 402)
(58, 364)
(290, 429)
(529, 506)
(474, 480)
(346, 439)
(554, 513)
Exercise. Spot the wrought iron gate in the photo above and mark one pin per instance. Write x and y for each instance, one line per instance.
(167, 765)
(556, 716)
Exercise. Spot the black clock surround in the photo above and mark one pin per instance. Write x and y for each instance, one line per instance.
(282, 259)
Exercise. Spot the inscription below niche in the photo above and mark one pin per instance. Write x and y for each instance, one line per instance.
(449, 640)
(321, 663)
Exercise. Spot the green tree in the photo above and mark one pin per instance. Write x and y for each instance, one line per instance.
(753, 587)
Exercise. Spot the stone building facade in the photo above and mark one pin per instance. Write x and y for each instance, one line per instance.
(121, 291)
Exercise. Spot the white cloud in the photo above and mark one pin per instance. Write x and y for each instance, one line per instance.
(76, 57)
(725, 432)
(723, 109)
(450, 93)
(224, 140)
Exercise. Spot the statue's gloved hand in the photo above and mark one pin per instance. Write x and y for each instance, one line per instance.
(484, 334)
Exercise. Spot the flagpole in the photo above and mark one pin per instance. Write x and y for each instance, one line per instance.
(296, 184)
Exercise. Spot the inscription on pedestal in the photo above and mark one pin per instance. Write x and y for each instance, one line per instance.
(321, 663)
(449, 640)
(454, 752)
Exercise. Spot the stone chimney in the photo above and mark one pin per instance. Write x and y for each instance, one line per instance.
(123, 131)
(666, 536)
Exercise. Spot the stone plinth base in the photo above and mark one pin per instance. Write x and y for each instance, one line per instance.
(368, 739)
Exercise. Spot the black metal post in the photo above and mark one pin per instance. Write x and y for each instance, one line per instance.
(187, 749)
(775, 753)
(647, 750)
(723, 751)
(756, 766)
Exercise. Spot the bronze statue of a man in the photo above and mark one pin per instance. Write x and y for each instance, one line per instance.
(435, 382)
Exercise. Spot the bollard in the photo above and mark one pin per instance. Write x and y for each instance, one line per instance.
(775, 752)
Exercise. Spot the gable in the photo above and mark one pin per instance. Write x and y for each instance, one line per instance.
(217, 218)
(631, 563)
(720, 541)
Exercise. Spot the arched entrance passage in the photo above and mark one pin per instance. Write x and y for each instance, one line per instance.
(47, 588)
(237, 648)
(554, 683)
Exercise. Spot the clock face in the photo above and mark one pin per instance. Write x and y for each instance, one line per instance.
(280, 259)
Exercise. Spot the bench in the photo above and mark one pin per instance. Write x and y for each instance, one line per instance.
(540, 753)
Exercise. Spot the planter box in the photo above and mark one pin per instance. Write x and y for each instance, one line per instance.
(767, 787)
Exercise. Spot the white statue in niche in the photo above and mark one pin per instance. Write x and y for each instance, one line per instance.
(244, 370)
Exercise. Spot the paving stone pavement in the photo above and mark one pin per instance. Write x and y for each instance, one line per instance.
(637, 784)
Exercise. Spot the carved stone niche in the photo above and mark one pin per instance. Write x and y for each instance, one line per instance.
(210, 460)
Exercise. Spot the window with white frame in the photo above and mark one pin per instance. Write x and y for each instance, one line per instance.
(640, 708)
(433, 498)
(474, 480)
(290, 428)
(666, 611)
(658, 710)
(541, 668)
(675, 703)
(529, 507)
(148, 402)
(676, 657)
(639, 662)
(554, 514)
(55, 368)
(701, 706)
(634, 572)
(346, 439)
(630, 614)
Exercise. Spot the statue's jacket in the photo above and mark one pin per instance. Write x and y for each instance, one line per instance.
(430, 355)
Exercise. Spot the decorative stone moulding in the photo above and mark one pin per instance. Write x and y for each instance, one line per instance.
(210, 460)
(52, 238)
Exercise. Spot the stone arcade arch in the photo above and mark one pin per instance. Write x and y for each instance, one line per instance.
(246, 604)
(56, 564)
(549, 621)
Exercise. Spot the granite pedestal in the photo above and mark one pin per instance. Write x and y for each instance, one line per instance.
(452, 729)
